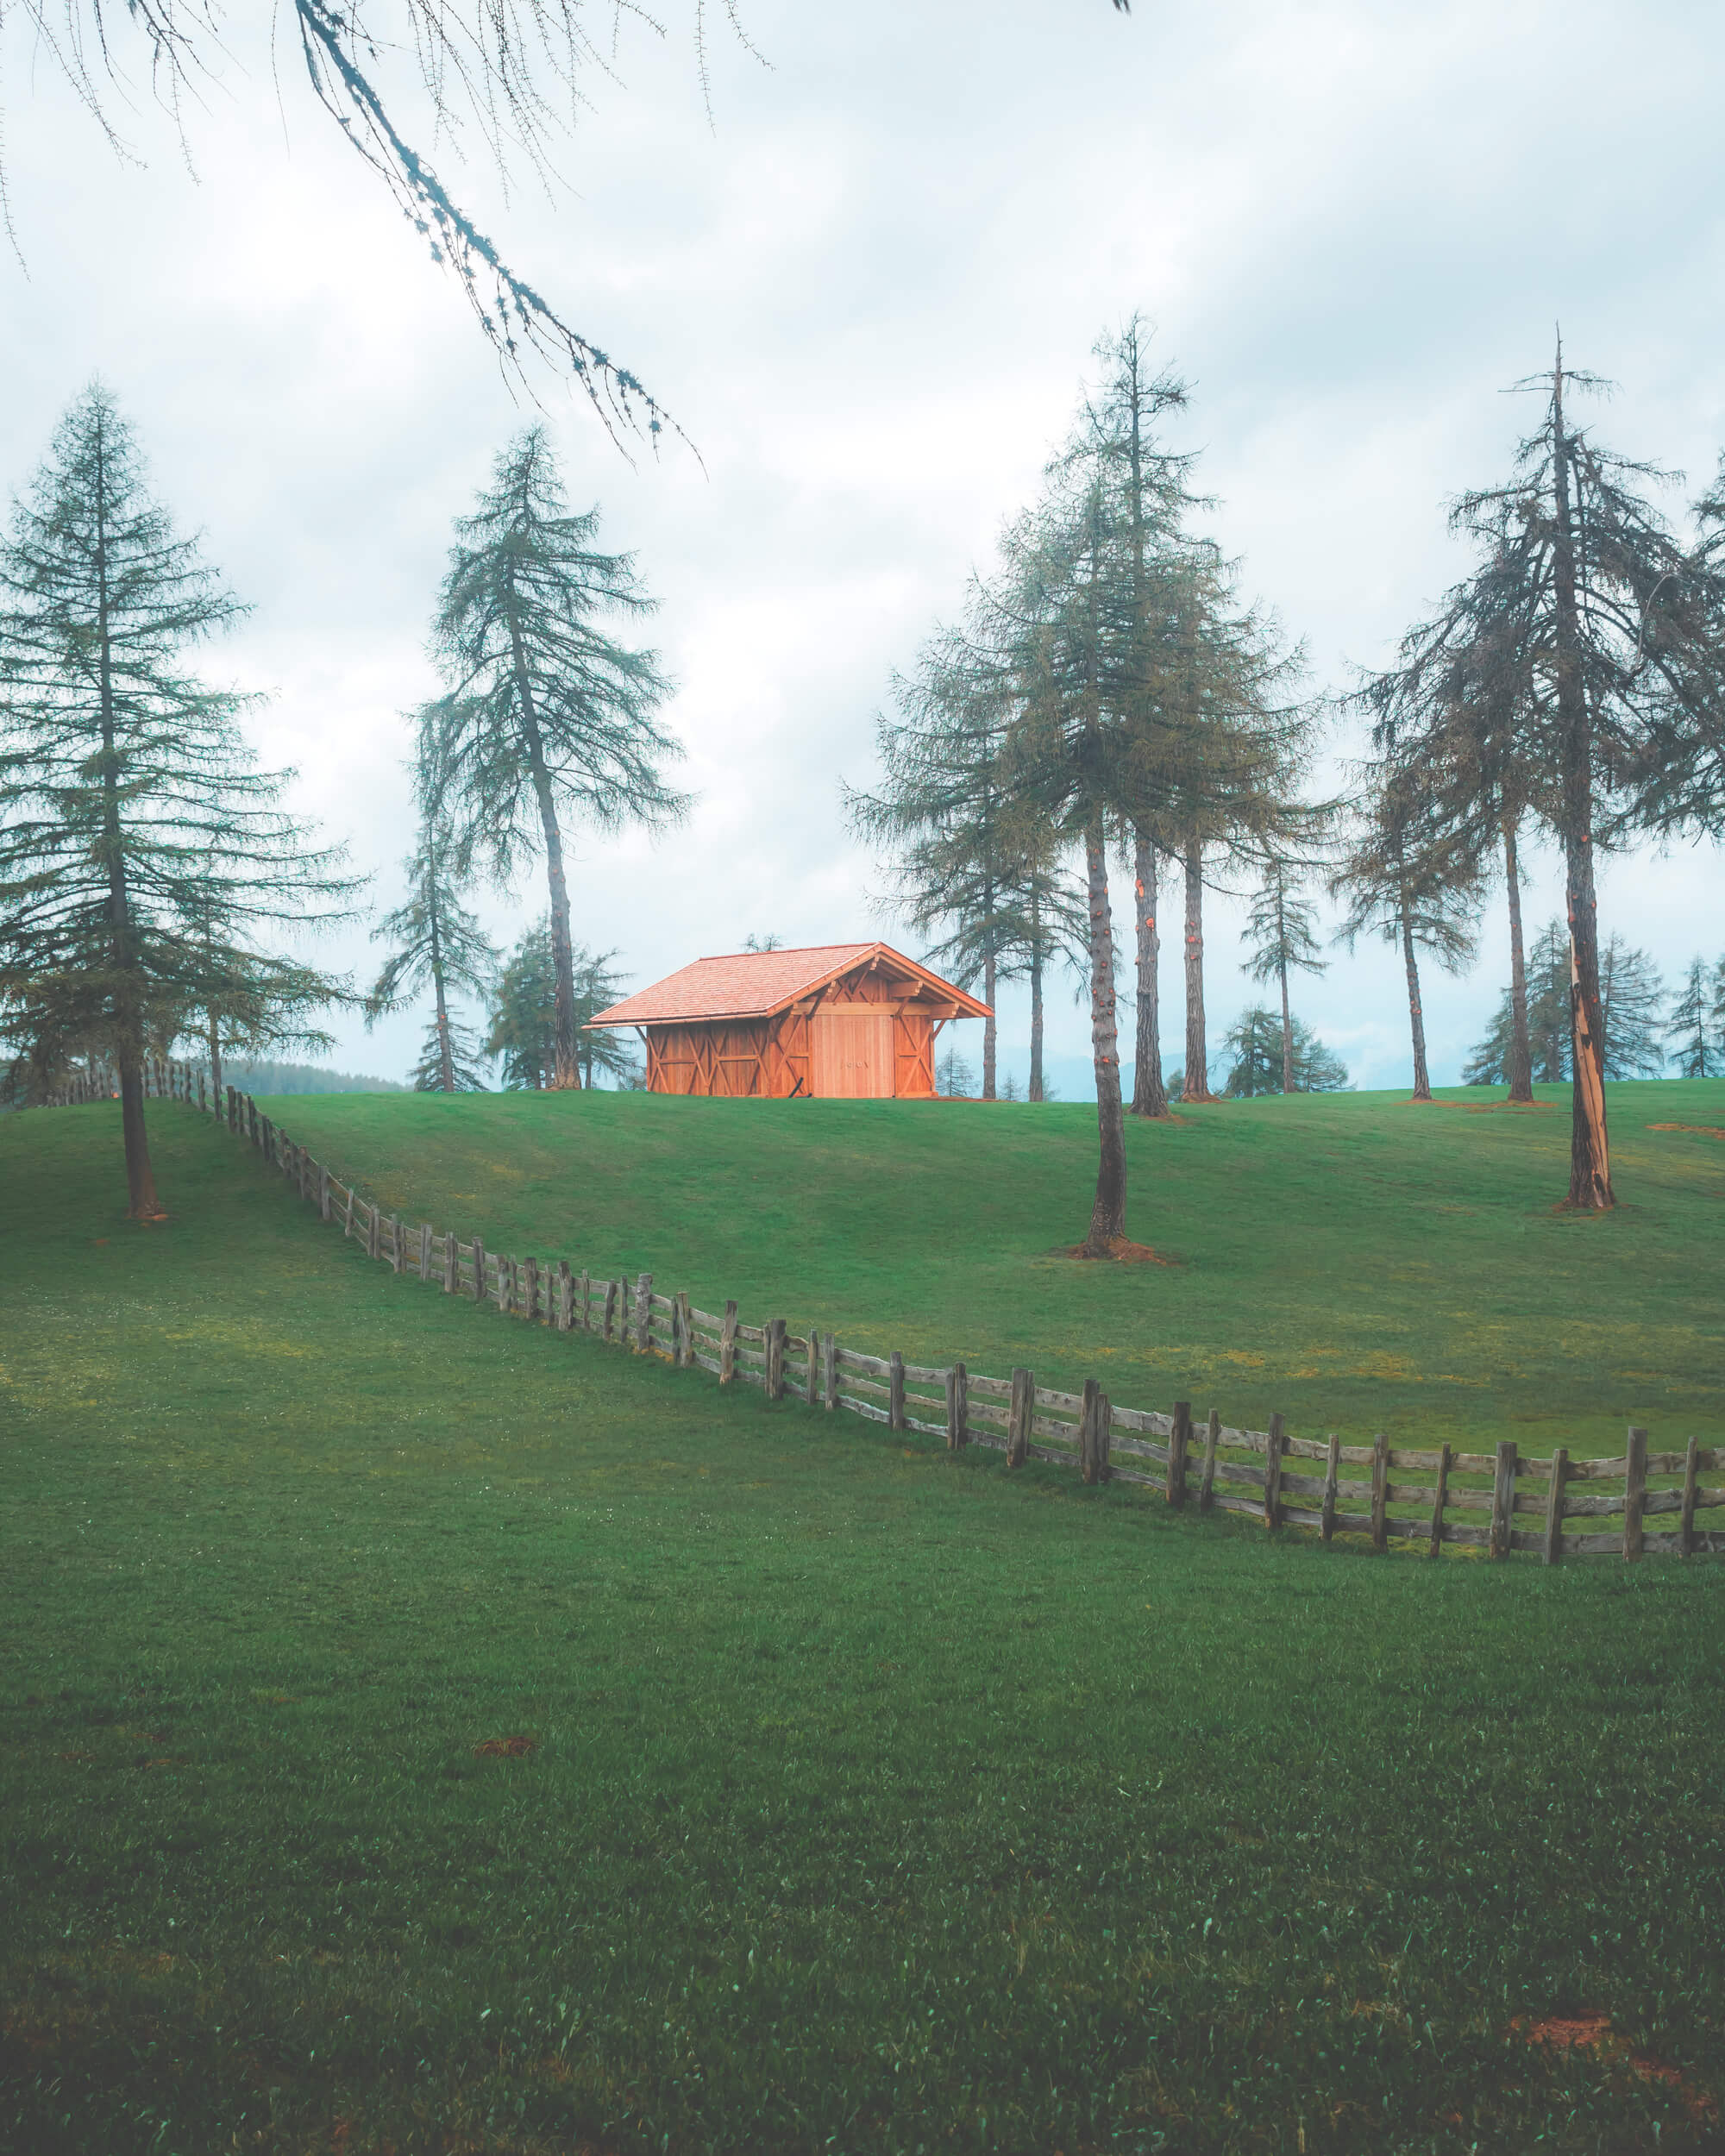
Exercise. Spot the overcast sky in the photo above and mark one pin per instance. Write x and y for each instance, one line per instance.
(868, 287)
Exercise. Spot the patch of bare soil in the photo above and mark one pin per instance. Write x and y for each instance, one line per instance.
(1593, 2032)
(1701, 1129)
(505, 1747)
(1123, 1251)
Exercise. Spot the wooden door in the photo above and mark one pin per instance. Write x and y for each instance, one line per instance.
(852, 1056)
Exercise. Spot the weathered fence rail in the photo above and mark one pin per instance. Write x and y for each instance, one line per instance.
(1507, 1500)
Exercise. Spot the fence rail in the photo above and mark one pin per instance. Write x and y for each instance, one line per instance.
(1406, 1494)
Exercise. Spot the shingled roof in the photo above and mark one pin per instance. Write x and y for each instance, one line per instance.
(754, 984)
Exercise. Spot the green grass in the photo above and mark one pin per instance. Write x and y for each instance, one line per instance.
(1353, 1260)
(880, 1801)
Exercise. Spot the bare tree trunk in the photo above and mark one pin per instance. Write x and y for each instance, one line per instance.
(1520, 1047)
(1034, 1089)
(568, 1068)
(1590, 1166)
(446, 1055)
(141, 1201)
(1416, 1017)
(1109, 1215)
(1196, 1086)
(1287, 1033)
(215, 1053)
(989, 1035)
(1150, 1095)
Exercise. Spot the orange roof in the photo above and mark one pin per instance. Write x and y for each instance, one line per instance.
(754, 984)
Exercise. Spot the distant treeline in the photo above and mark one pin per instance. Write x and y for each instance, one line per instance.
(260, 1074)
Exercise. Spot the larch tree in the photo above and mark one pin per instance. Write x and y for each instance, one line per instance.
(436, 944)
(1632, 1012)
(145, 861)
(1602, 643)
(1280, 938)
(1399, 882)
(547, 717)
(973, 865)
(1692, 1028)
(1257, 1042)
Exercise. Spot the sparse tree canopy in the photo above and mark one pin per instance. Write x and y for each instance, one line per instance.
(435, 944)
(1401, 881)
(143, 855)
(1694, 1028)
(1280, 938)
(1492, 1061)
(547, 717)
(1257, 1041)
(523, 1015)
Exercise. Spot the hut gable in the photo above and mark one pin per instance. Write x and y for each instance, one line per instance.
(846, 1021)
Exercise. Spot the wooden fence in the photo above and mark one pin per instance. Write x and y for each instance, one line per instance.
(1496, 1501)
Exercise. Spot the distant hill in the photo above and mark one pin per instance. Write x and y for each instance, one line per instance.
(260, 1074)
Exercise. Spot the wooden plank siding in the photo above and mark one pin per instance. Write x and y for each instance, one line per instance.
(866, 1036)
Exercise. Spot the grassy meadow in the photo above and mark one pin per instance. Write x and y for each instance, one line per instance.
(419, 1732)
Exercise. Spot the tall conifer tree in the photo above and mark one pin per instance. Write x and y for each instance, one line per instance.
(548, 718)
(144, 858)
(435, 944)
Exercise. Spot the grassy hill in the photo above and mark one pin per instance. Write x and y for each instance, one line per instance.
(842, 1793)
(1354, 1261)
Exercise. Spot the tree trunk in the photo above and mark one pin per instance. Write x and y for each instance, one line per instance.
(1197, 1077)
(1109, 1215)
(446, 1055)
(1416, 1017)
(141, 1201)
(1150, 1095)
(1033, 1091)
(568, 1068)
(1590, 1166)
(989, 1035)
(215, 1053)
(1520, 1047)
(1287, 1033)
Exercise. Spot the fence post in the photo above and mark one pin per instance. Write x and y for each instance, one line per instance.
(686, 1334)
(1179, 1444)
(322, 1193)
(1554, 1505)
(347, 1217)
(532, 1290)
(1635, 1493)
(1090, 1466)
(1440, 1499)
(958, 1407)
(1685, 1532)
(479, 1272)
(1503, 1499)
(775, 1344)
(613, 1310)
(1273, 1444)
(1018, 1414)
(1207, 1478)
(727, 1345)
(829, 1372)
(643, 1310)
(895, 1391)
(1333, 1460)
(566, 1297)
(396, 1252)
(1380, 1490)
(812, 1376)
(374, 1234)
(586, 1292)
(452, 1263)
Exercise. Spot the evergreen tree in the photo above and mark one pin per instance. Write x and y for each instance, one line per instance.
(547, 716)
(1403, 884)
(1693, 1026)
(1280, 936)
(436, 944)
(973, 864)
(598, 986)
(953, 1079)
(1631, 1012)
(1491, 1060)
(1258, 1041)
(524, 1014)
(1600, 649)
(143, 855)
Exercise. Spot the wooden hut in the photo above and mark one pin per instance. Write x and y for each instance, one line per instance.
(841, 1021)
